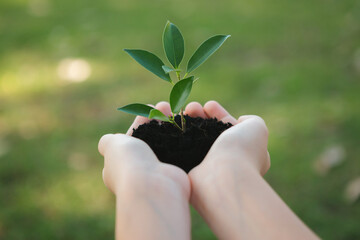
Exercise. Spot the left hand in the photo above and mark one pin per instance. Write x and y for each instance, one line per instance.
(129, 163)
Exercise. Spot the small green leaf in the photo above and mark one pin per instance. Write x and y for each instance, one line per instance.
(205, 50)
(137, 109)
(167, 69)
(149, 61)
(173, 43)
(179, 94)
(156, 114)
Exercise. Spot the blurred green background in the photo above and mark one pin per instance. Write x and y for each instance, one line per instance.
(63, 73)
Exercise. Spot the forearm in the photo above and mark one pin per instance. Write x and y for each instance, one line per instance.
(152, 210)
(240, 204)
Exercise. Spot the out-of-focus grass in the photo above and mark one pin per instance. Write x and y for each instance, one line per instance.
(295, 63)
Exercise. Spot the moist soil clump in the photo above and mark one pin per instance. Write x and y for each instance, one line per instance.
(185, 150)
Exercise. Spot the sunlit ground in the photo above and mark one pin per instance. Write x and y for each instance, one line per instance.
(63, 73)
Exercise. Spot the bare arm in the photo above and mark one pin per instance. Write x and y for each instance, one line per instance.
(152, 198)
(228, 189)
(240, 204)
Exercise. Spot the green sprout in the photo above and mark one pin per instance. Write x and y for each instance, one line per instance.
(173, 43)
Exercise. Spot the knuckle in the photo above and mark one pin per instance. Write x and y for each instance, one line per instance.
(260, 122)
(104, 141)
(267, 165)
(123, 142)
(228, 137)
(259, 119)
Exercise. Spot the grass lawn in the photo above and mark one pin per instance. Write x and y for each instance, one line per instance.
(295, 63)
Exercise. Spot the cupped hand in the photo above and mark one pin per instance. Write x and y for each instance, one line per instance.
(227, 188)
(149, 193)
(129, 163)
(239, 151)
(245, 143)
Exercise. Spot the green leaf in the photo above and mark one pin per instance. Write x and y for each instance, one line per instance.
(156, 114)
(167, 69)
(205, 50)
(173, 43)
(137, 109)
(179, 94)
(149, 61)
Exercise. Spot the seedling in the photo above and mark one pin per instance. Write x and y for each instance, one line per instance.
(173, 43)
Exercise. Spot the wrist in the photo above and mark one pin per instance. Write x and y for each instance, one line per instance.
(231, 164)
(148, 185)
(219, 177)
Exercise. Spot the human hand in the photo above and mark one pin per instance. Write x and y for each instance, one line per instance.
(227, 188)
(238, 151)
(243, 144)
(223, 184)
(129, 162)
(149, 193)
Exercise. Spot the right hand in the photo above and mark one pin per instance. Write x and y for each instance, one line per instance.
(239, 152)
(241, 146)
(227, 188)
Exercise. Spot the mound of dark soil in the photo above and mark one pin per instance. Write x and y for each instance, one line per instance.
(185, 150)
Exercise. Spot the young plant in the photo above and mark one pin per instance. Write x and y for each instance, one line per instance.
(173, 43)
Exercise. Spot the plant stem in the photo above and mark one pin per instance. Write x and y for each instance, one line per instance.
(178, 75)
(183, 125)
(176, 125)
(172, 120)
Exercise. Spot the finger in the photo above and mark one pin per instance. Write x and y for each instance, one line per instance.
(164, 107)
(124, 146)
(106, 181)
(246, 117)
(253, 119)
(194, 109)
(139, 120)
(266, 166)
(268, 161)
(214, 110)
(104, 140)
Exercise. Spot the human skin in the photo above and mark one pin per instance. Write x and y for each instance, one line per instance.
(152, 198)
(227, 188)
